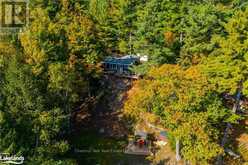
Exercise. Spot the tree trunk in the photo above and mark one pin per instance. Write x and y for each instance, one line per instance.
(181, 38)
(236, 107)
(178, 157)
(130, 43)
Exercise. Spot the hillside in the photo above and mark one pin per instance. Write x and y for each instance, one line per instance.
(67, 98)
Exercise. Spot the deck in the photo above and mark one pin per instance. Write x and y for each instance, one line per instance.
(137, 150)
(135, 77)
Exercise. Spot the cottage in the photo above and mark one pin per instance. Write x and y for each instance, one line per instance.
(120, 64)
(139, 145)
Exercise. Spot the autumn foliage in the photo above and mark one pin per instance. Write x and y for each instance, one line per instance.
(186, 103)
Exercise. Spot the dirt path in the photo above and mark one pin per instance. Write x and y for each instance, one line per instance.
(105, 113)
(109, 110)
(104, 117)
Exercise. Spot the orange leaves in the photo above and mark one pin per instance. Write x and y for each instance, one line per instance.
(80, 26)
(169, 37)
(170, 88)
(135, 95)
(185, 103)
(192, 73)
(72, 61)
(165, 71)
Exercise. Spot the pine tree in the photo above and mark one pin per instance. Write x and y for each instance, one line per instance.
(227, 65)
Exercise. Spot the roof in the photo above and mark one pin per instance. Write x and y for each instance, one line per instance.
(125, 60)
(141, 133)
(163, 133)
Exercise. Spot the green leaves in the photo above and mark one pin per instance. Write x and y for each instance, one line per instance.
(205, 43)
(227, 65)
(153, 20)
(187, 105)
(58, 77)
(99, 9)
(29, 126)
(198, 25)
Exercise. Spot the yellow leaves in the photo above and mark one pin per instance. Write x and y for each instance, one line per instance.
(44, 118)
(80, 26)
(185, 83)
(169, 37)
(37, 69)
(57, 76)
(33, 54)
(7, 49)
(44, 135)
(152, 118)
(39, 13)
(165, 70)
(79, 32)
(177, 97)
(65, 4)
(245, 86)
(134, 96)
(177, 116)
(72, 61)
(139, 98)
(197, 137)
(171, 87)
(227, 65)
(192, 73)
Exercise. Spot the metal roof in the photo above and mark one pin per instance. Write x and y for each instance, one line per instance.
(125, 60)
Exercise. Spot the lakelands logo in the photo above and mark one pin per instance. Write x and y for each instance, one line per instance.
(6, 158)
(13, 15)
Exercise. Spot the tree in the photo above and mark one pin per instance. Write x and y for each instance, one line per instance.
(187, 105)
(199, 22)
(28, 126)
(177, 31)
(61, 46)
(154, 20)
(226, 67)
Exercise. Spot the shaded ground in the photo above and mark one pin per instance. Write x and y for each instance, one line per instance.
(241, 139)
(99, 129)
(239, 143)
(103, 113)
(92, 149)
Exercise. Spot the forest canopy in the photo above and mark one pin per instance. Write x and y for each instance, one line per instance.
(197, 51)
